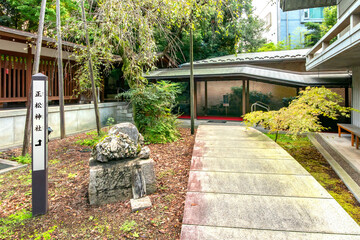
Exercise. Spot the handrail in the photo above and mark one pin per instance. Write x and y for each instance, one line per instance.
(350, 18)
(260, 104)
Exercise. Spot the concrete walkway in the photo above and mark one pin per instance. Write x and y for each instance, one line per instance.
(242, 185)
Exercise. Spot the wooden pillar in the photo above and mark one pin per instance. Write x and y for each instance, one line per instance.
(247, 96)
(346, 96)
(206, 99)
(29, 67)
(243, 98)
(195, 99)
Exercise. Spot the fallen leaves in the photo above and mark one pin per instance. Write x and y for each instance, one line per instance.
(68, 202)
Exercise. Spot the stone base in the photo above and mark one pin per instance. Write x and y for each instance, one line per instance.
(112, 181)
(140, 203)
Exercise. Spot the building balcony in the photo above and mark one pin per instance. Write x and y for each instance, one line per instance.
(344, 52)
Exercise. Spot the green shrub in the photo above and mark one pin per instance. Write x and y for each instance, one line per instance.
(95, 138)
(23, 159)
(110, 121)
(152, 105)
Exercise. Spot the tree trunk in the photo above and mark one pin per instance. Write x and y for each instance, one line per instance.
(276, 136)
(91, 73)
(27, 129)
(60, 71)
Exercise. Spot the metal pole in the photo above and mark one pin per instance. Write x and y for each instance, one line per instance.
(60, 72)
(97, 115)
(27, 129)
(192, 111)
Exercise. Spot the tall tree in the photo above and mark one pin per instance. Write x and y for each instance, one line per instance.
(26, 141)
(318, 30)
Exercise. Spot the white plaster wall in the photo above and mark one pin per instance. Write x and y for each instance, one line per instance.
(78, 118)
(355, 116)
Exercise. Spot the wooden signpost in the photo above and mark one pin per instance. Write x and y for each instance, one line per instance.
(39, 144)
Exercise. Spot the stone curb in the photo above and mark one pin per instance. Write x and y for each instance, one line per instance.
(14, 165)
(348, 181)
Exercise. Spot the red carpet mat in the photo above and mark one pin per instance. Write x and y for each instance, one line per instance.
(213, 118)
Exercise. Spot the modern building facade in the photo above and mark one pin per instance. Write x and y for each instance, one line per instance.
(288, 26)
(339, 49)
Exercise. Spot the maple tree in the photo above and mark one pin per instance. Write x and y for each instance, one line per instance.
(302, 115)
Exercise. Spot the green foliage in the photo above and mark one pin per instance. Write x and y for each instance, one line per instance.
(216, 35)
(45, 235)
(150, 26)
(93, 140)
(153, 104)
(14, 220)
(128, 226)
(110, 121)
(302, 115)
(318, 30)
(24, 14)
(23, 159)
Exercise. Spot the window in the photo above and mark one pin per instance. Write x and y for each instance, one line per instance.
(316, 13)
(268, 21)
(306, 13)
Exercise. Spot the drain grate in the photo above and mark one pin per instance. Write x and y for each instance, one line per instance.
(216, 121)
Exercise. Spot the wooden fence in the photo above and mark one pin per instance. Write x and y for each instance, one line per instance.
(15, 77)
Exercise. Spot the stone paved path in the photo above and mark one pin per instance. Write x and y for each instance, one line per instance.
(242, 185)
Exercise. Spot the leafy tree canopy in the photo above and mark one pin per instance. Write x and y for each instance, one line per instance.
(236, 29)
(137, 30)
(302, 115)
(24, 14)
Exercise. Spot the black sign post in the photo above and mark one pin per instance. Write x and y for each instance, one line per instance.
(39, 144)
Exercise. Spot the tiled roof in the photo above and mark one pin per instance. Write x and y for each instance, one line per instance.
(255, 57)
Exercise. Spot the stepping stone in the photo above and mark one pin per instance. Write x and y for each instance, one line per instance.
(140, 203)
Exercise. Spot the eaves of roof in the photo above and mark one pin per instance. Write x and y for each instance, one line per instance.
(249, 72)
(289, 5)
(31, 36)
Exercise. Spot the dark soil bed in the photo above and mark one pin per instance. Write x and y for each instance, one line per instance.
(71, 217)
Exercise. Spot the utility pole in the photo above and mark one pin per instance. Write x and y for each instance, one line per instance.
(60, 71)
(192, 107)
(97, 115)
(27, 129)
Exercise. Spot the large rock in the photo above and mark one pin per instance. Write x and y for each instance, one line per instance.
(144, 153)
(112, 181)
(115, 147)
(127, 128)
(123, 141)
